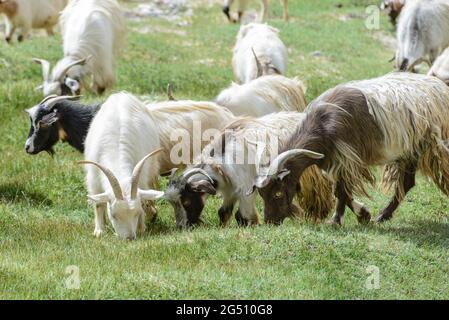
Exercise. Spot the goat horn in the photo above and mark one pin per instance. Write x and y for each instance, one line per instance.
(52, 100)
(279, 162)
(74, 63)
(111, 177)
(194, 171)
(45, 67)
(258, 64)
(137, 171)
(170, 93)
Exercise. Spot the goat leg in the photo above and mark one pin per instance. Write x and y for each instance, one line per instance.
(408, 182)
(100, 215)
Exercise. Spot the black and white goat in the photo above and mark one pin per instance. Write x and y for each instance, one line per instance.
(400, 120)
(58, 118)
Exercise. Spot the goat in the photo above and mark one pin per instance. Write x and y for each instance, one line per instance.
(57, 118)
(393, 8)
(219, 171)
(440, 68)
(243, 5)
(400, 120)
(422, 32)
(260, 41)
(264, 95)
(93, 35)
(122, 133)
(26, 15)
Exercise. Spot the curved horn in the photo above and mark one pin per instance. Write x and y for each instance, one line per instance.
(170, 93)
(70, 65)
(52, 100)
(194, 171)
(258, 64)
(137, 171)
(45, 67)
(111, 178)
(281, 159)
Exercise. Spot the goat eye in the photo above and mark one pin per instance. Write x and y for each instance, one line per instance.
(278, 194)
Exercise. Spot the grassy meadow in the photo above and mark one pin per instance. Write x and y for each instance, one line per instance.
(46, 223)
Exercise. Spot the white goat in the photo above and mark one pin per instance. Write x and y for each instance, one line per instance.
(264, 95)
(122, 133)
(229, 166)
(263, 41)
(422, 32)
(440, 68)
(94, 34)
(243, 5)
(26, 15)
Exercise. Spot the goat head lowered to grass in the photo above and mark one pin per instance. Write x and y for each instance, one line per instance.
(125, 208)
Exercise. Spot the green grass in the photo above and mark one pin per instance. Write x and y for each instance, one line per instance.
(46, 223)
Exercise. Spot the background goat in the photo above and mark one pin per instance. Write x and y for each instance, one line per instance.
(93, 34)
(220, 171)
(264, 95)
(58, 118)
(440, 68)
(393, 8)
(243, 5)
(121, 134)
(400, 120)
(26, 15)
(263, 41)
(422, 32)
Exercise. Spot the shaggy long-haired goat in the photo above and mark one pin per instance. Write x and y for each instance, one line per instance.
(264, 95)
(400, 120)
(26, 15)
(229, 166)
(422, 32)
(94, 34)
(243, 5)
(263, 41)
(57, 118)
(124, 131)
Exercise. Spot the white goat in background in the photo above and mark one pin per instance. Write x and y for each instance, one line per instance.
(422, 32)
(93, 34)
(243, 5)
(263, 41)
(440, 68)
(26, 15)
(123, 132)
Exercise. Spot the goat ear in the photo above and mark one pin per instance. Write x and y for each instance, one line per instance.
(99, 198)
(50, 118)
(202, 186)
(150, 194)
(73, 84)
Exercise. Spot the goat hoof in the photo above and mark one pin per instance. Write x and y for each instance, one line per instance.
(8, 39)
(334, 222)
(98, 233)
(364, 219)
(382, 217)
(20, 38)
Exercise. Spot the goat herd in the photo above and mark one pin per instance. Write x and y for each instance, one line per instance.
(258, 136)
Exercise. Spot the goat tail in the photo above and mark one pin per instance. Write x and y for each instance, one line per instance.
(316, 195)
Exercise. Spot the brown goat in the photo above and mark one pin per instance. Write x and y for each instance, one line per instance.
(394, 8)
(399, 120)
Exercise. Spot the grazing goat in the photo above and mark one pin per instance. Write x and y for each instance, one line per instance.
(227, 167)
(243, 5)
(393, 8)
(93, 33)
(263, 96)
(58, 118)
(440, 68)
(400, 120)
(26, 15)
(122, 133)
(422, 32)
(262, 41)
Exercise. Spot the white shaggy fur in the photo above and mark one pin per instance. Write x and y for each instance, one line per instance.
(422, 32)
(122, 133)
(440, 68)
(93, 30)
(268, 47)
(26, 15)
(263, 96)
